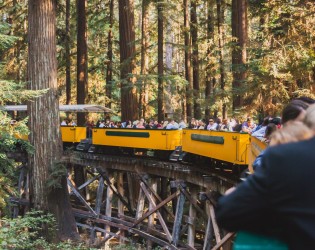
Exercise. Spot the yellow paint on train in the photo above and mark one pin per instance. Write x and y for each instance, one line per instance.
(256, 146)
(226, 146)
(73, 134)
(69, 134)
(138, 138)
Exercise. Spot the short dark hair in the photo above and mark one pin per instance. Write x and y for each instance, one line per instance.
(306, 99)
(293, 110)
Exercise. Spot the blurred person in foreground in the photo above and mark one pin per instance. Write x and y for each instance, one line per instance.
(279, 198)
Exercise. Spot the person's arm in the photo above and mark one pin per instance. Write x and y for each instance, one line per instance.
(246, 205)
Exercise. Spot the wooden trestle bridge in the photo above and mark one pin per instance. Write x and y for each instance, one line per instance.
(130, 204)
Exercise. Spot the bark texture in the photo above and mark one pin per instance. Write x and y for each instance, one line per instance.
(44, 118)
(160, 63)
(195, 58)
(109, 70)
(82, 59)
(209, 71)
(127, 60)
(239, 53)
(67, 54)
(188, 72)
(144, 92)
(220, 20)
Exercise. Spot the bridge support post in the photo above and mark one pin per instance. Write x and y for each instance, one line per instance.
(108, 204)
(120, 189)
(151, 206)
(192, 216)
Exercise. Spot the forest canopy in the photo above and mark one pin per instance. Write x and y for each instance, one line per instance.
(197, 58)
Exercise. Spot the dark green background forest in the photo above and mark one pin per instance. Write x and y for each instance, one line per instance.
(218, 58)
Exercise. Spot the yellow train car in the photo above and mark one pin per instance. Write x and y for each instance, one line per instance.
(69, 134)
(73, 134)
(256, 146)
(156, 139)
(230, 147)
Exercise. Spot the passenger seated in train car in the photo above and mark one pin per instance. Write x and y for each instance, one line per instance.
(140, 125)
(278, 199)
(249, 125)
(171, 125)
(219, 123)
(261, 129)
(192, 124)
(238, 126)
(201, 125)
(164, 125)
(226, 126)
(107, 123)
(156, 125)
(102, 124)
(149, 125)
(64, 122)
(182, 124)
(212, 125)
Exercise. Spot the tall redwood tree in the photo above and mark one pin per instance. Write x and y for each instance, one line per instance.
(239, 53)
(127, 60)
(44, 118)
(160, 62)
(82, 58)
(195, 58)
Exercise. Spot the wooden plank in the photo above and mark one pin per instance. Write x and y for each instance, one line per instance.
(131, 191)
(81, 198)
(225, 239)
(98, 203)
(99, 196)
(120, 187)
(109, 198)
(140, 205)
(208, 235)
(192, 201)
(178, 219)
(156, 195)
(162, 222)
(156, 208)
(214, 224)
(192, 214)
(87, 183)
(151, 205)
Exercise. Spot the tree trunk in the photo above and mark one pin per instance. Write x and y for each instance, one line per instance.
(239, 53)
(44, 118)
(160, 63)
(209, 68)
(143, 100)
(127, 60)
(220, 18)
(195, 58)
(188, 73)
(68, 62)
(109, 70)
(82, 59)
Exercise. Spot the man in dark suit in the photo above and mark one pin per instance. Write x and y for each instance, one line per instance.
(278, 198)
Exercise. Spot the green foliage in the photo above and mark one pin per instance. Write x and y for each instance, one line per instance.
(24, 233)
(11, 136)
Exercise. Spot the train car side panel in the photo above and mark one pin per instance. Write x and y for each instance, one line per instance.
(225, 146)
(137, 138)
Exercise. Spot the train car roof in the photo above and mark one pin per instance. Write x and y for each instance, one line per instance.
(66, 108)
